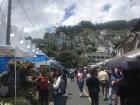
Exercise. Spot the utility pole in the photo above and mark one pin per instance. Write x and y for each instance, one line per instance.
(8, 23)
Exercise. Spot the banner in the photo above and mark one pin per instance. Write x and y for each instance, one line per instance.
(7, 51)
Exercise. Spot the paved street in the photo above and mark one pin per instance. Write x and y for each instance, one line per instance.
(74, 96)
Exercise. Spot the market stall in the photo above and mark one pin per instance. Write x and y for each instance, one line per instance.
(10, 54)
(37, 59)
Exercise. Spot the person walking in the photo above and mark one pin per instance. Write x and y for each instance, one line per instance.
(72, 76)
(80, 81)
(43, 87)
(92, 84)
(104, 82)
(113, 86)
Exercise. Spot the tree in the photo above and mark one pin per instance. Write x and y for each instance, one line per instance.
(49, 52)
(67, 59)
(82, 62)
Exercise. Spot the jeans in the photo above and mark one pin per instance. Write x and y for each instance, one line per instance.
(58, 99)
(80, 84)
(112, 91)
(44, 95)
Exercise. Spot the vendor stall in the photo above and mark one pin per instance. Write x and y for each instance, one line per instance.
(7, 53)
(37, 60)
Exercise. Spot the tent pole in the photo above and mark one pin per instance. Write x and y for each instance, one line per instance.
(15, 82)
(8, 23)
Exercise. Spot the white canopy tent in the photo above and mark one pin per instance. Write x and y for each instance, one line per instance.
(12, 51)
(15, 52)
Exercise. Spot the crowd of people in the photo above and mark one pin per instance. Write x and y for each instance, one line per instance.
(118, 86)
(51, 85)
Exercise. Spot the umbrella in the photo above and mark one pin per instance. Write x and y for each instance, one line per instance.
(123, 62)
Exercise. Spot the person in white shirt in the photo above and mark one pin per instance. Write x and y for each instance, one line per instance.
(57, 83)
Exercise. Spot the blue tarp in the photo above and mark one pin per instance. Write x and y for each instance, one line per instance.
(4, 63)
(38, 58)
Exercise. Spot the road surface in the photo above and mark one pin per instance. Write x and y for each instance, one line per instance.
(73, 96)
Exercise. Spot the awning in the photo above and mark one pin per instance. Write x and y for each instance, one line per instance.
(8, 52)
(123, 62)
(37, 58)
(133, 54)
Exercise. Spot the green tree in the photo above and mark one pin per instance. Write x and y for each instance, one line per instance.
(82, 62)
(49, 52)
(67, 59)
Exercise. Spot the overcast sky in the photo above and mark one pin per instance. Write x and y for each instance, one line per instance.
(48, 13)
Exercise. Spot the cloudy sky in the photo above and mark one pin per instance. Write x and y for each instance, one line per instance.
(47, 13)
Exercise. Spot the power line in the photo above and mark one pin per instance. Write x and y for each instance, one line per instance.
(27, 15)
(36, 15)
(35, 12)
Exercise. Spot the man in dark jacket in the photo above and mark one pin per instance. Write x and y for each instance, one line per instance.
(93, 87)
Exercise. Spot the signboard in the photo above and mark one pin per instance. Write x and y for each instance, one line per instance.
(7, 51)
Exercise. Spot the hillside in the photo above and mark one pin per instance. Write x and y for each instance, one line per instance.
(87, 35)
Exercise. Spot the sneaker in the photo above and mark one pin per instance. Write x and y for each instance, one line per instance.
(81, 94)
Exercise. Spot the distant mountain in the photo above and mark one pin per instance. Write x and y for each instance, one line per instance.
(136, 26)
(118, 24)
(113, 25)
(133, 23)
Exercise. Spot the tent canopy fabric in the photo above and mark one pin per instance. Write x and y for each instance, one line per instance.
(8, 52)
(123, 62)
(11, 51)
(22, 54)
(37, 58)
(3, 63)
